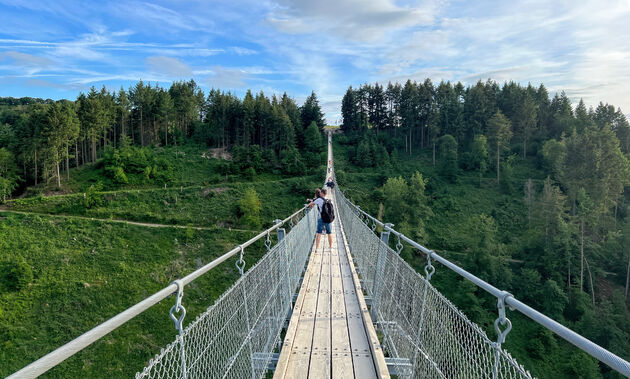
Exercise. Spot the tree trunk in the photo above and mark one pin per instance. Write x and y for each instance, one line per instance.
(498, 166)
(434, 153)
(568, 273)
(421, 136)
(628, 277)
(93, 149)
(166, 134)
(58, 175)
(141, 129)
(582, 255)
(525, 148)
(67, 162)
(122, 124)
(35, 161)
(76, 154)
(590, 276)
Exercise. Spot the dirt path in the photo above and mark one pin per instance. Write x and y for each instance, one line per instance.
(118, 221)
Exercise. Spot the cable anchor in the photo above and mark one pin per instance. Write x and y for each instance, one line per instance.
(429, 269)
(502, 319)
(240, 263)
(178, 307)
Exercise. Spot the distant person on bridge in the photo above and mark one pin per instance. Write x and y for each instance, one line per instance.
(326, 216)
(330, 183)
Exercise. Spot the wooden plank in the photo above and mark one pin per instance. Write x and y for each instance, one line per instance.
(295, 354)
(341, 351)
(330, 333)
(363, 337)
(320, 364)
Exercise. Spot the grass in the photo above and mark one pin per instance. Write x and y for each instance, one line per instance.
(200, 206)
(190, 168)
(86, 271)
(91, 271)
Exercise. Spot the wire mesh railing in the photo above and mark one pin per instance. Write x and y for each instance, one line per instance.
(236, 336)
(417, 322)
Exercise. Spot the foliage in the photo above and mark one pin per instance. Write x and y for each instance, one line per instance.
(250, 207)
(448, 157)
(8, 173)
(15, 273)
(530, 249)
(136, 165)
(313, 138)
(92, 198)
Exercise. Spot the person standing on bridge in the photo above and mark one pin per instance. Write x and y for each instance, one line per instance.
(326, 216)
(330, 183)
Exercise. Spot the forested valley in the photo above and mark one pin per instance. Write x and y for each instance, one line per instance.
(516, 185)
(520, 188)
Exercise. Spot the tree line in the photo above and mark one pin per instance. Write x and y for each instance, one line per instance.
(422, 112)
(583, 151)
(576, 228)
(40, 140)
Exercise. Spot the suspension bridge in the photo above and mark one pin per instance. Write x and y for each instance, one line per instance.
(354, 309)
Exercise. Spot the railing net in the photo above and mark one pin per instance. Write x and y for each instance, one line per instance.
(234, 338)
(417, 322)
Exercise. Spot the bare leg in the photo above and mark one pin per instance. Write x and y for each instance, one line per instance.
(317, 241)
(330, 240)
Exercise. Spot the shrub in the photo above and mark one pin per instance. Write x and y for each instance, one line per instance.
(92, 198)
(249, 174)
(16, 273)
(250, 206)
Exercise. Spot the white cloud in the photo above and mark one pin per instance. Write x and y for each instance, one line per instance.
(24, 59)
(227, 78)
(169, 66)
(353, 19)
(242, 51)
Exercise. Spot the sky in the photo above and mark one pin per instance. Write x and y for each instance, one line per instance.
(56, 49)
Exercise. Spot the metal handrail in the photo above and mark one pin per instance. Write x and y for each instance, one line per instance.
(64, 352)
(615, 362)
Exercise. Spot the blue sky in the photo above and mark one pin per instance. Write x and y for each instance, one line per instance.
(56, 49)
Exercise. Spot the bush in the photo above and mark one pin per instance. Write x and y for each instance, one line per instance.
(15, 273)
(129, 162)
(249, 174)
(92, 198)
(249, 207)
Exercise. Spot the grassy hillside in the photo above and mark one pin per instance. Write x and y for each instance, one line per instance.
(87, 271)
(199, 205)
(75, 273)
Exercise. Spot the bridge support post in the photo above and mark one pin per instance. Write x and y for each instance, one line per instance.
(377, 286)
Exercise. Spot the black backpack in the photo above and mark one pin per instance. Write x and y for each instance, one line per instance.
(328, 213)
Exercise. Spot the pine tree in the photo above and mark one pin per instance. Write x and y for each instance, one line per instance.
(349, 111)
(448, 157)
(311, 111)
(500, 134)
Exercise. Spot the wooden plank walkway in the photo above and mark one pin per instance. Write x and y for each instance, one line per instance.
(330, 334)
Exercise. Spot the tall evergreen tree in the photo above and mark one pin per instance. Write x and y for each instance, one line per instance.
(310, 111)
(500, 134)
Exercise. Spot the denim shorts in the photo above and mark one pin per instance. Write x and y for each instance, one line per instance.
(321, 226)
